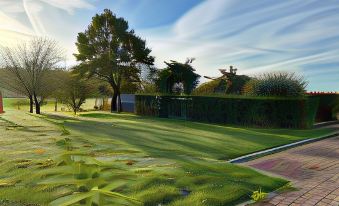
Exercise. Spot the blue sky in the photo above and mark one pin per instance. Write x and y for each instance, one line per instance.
(255, 36)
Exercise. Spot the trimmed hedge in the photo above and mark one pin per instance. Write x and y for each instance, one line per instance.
(328, 107)
(247, 111)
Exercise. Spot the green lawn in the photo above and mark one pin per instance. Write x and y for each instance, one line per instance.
(173, 162)
(49, 106)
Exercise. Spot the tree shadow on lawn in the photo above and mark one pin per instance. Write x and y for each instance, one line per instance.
(168, 138)
(185, 150)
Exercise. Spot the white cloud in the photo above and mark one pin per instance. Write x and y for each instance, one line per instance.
(23, 19)
(69, 5)
(255, 36)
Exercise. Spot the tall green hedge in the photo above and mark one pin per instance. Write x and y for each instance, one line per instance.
(247, 111)
(328, 106)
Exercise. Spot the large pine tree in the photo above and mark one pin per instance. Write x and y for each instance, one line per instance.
(112, 52)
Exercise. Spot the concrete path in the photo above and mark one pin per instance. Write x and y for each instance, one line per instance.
(313, 169)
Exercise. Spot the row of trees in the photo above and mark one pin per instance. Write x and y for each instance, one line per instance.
(111, 59)
(110, 55)
(29, 68)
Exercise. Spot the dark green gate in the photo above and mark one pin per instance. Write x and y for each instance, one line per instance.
(179, 107)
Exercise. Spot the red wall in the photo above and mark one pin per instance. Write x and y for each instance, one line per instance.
(1, 105)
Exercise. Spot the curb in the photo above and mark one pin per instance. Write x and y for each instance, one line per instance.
(256, 155)
(323, 124)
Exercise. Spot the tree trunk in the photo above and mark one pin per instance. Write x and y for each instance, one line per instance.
(56, 105)
(37, 105)
(114, 102)
(119, 106)
(31, 102)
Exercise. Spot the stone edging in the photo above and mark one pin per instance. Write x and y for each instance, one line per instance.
(256, 155)
(322, 124)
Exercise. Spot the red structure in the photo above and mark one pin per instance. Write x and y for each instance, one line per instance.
(1, 104)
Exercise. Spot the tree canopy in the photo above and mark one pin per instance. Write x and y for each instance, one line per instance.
(227, 83)
(111, 51)
(178, 78)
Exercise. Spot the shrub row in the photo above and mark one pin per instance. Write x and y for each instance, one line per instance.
(247, 111)
(328, 106)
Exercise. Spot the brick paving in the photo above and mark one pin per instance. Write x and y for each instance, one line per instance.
(313, 169)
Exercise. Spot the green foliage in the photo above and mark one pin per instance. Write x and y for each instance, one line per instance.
(175, 74)
(228, 83)
(335, 109)
(276, 84)
(174, 156)
(258, 195)
(110, 51)
(20, 102)
(159, 194)
(236, 83)
(75, 91)
(250, 87)
(147, 105)
(262, 112)
(212, 87)
(65, 132)
(95, 181)
(328, 106)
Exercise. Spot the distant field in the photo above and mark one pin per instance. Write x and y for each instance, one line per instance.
(175, 162)
(49, 106)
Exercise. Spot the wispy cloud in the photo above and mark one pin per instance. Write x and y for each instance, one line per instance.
(69, 5)
(23, 19)
(32, 10)
(255, 36)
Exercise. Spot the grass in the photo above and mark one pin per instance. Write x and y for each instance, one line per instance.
(49, 106)
(174, 162)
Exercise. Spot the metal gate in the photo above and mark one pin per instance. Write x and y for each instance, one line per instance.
(179, 107)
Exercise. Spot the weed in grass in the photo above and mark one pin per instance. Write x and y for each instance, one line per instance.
(96, 182)
(258, 195)
(159, 195)
(65, 143)
(65, 132)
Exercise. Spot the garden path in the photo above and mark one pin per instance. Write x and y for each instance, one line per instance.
(313, 169)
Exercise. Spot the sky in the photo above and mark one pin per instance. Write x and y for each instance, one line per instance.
(254, 36)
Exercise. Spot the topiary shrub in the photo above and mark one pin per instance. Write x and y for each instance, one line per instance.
(276, 84)
(178, 78)
(215, 86)
(228, 83)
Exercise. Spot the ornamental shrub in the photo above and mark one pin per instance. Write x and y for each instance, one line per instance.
(218, 86)
(276, 84)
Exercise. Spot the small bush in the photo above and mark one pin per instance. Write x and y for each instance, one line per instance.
(276, 84)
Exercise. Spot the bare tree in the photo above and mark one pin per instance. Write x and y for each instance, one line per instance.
(75, 91)
(13, 77)
(28, 66)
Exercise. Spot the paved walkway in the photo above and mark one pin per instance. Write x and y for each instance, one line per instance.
(312, 168)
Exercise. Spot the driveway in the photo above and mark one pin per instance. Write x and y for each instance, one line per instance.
(313, 169)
